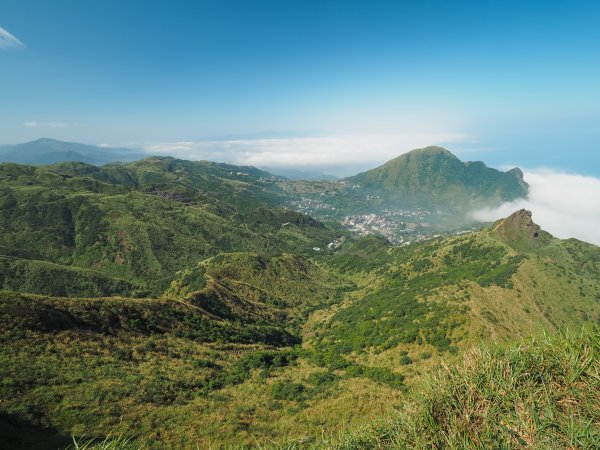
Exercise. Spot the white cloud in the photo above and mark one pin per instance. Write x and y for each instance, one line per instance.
(7, 40)
(324, 152)
(566, 205)
(34, 124)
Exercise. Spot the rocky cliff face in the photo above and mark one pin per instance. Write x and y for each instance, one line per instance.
(520, 231)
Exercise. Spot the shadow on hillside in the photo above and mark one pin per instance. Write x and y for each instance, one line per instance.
(19, 434)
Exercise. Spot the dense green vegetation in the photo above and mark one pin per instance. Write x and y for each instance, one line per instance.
(43, 277)
(251, 288)
(404, 307)
(64, 361)
(144, 221)
(433, 177)
(89, 361)
(542, 395)
(175, 304)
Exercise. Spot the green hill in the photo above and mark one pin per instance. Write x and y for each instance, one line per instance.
(254, 289)
(430, 178)
(433, 177)
(250, 347)
(448, 293)
(142, 222)
(178, 304)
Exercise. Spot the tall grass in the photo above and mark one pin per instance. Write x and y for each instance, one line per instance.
(540, 395)
(108, 443)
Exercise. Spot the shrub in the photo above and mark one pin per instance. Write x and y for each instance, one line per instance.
(543, 395)
(405, 360)
(287, 391)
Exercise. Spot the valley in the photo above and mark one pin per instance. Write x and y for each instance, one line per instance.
(179, 304)
(299, 225)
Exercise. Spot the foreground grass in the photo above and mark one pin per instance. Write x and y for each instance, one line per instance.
(543, 395)
(109, 443)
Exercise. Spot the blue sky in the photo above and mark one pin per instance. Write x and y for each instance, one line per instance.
(339, 85)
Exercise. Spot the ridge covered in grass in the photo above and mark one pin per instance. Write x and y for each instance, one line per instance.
(544, 394)
(246, 348)
(178, 303)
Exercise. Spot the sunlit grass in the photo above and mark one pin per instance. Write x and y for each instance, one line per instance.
(108, 443)
(542, 395)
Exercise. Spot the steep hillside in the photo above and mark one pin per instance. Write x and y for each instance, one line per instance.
(221, 337)
(250, 288)
(242, 187)
(433, 177)
(92, 366)
(42, 277)
(542, 395)
(447, 294)
(143, 222)
(520, 232)
(247, 347)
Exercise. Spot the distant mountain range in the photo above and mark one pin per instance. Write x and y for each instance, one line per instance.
(430, 179)
(50, 151)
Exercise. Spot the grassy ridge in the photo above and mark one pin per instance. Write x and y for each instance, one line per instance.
(544, 394)
(145, 221)
(93, 318)
(253, 288)
(225, 327)
(541, 395)
(158, 370)
(26, 275)
(218, 359)
(448, 293)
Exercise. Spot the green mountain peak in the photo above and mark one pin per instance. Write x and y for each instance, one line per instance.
(433, 177)
(427, 152)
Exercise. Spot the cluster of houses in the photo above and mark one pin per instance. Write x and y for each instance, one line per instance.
(315, 208)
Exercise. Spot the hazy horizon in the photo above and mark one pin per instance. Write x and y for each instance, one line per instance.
(308, 83)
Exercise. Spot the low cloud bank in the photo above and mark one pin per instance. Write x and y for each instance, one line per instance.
(566, 205)
(34, 124)
(335, 153)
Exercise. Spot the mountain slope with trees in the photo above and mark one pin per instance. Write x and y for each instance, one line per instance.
(432, 177)
(179, 304)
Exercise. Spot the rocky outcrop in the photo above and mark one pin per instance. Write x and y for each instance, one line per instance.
(520, 231)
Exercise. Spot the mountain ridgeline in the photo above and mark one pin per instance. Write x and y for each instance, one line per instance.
(165, 303)
(51, 151)
(433, 177)
(429, 178)
(138, 223)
